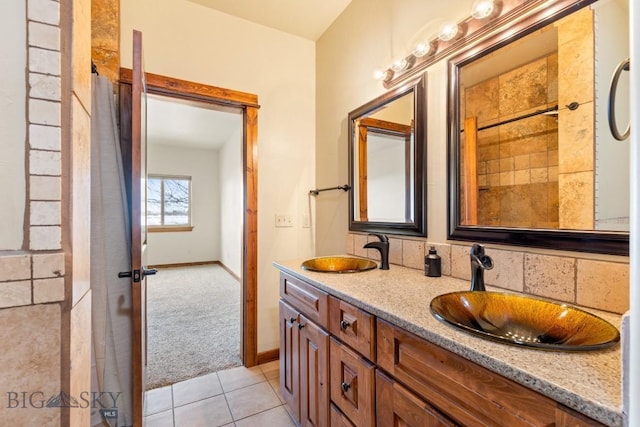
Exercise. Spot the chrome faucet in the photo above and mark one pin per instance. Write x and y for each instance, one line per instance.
(383, 247)
(479, 263)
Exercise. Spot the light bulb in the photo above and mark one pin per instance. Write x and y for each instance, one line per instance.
(399, 65)
(424, 49)
(481, 9)
(448, 31)
(381, 74)
(378, 74)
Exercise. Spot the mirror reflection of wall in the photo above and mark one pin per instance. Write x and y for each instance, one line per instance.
(384, 151)
(527, 144)
(612, 165)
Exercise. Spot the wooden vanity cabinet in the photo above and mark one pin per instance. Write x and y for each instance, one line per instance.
(304, 352)
(341, 366)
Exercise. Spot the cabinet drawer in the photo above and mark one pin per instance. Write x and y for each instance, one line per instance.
(566, 417)
(352, 384)
(353, 326)
(308, 299)
(397, 406)
(468, 393)
(338, 419)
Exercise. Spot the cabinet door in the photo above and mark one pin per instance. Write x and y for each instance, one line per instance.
(338, 419)
(397, 406)
(314, 374)
(290, 358)
(352, 384)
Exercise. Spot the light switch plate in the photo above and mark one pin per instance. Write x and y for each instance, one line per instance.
(284, 220)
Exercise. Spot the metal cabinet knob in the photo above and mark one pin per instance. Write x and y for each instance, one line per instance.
(345, 387)
(301, 325)
(344, 325)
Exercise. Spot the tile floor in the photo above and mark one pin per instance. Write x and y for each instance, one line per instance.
(237, 397)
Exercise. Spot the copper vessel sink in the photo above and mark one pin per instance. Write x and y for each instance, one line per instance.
(524, 321)
(338, 264)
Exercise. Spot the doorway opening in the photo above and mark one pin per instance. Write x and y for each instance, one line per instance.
(246, 103)
(194, 223)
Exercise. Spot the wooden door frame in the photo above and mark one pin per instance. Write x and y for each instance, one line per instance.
(197, 92)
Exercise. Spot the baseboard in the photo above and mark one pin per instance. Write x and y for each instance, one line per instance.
(235, 276)
(184, 264)
(268, 356)
(195, 264)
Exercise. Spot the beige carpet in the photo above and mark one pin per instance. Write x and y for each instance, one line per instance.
(193, 323)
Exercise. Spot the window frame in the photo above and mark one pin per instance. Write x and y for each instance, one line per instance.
(169, 227)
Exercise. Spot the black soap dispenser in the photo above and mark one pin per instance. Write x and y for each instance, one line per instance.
(432, 263)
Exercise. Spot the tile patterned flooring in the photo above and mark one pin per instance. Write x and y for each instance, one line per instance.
(237, 397)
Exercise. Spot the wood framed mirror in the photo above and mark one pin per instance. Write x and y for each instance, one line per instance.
(531, 161)
(387, 160)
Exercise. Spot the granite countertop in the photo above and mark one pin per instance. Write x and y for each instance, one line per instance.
(588, 382)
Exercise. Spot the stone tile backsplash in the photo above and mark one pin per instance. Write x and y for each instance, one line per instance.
(599, 284)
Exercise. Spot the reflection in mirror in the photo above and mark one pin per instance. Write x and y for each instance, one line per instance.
(531, 145)
(386, 149)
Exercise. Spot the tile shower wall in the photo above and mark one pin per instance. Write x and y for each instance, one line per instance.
(589, 282)
(517, 163)
(32, 281)
(538, 172)
(36, 276)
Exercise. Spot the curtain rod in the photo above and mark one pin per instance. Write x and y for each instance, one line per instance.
(524, 116)
(315, 192)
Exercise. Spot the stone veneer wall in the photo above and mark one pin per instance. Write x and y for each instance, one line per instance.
(105, 37)
(583, 279)
(45, 302)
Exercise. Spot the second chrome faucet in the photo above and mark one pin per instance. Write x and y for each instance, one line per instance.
(383, 247)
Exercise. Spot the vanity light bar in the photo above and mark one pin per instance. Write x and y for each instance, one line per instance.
(451, 36)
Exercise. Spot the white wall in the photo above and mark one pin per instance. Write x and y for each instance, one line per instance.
(367, 36)
(187, 41)
(12, 123)
(203, 243)
(612, 46)
(633, 353)
(231, 195)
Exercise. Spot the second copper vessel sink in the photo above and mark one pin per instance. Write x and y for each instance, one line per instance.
(524, 321)
(338, 264)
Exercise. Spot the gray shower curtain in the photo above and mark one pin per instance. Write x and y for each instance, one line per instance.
(110, 243)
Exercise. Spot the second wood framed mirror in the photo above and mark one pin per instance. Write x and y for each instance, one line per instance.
(387, 159)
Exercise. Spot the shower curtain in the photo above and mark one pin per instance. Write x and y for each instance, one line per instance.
(110, 243)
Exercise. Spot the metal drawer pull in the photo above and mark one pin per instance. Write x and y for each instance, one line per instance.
(345, 387)
(344, 325)
(611, 113)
